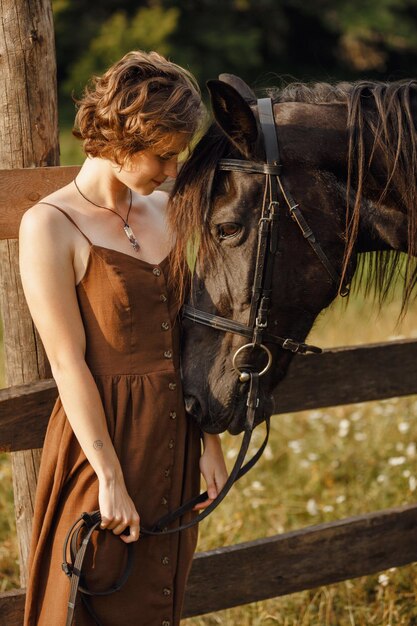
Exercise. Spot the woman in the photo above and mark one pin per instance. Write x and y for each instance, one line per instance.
(95, 269)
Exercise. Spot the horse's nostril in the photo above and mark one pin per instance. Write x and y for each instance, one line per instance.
(192, 406)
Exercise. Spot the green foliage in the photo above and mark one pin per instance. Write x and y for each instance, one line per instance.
(256, 39)
(149, 29)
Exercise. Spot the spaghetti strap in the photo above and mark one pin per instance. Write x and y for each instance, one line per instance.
(70, 219)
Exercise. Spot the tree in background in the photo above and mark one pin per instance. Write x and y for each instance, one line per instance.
(328, 39)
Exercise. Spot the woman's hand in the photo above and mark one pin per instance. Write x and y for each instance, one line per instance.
(117, 509)
(213, 469)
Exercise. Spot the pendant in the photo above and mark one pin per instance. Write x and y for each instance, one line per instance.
(131, 236)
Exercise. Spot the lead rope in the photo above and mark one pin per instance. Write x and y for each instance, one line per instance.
(73, 569)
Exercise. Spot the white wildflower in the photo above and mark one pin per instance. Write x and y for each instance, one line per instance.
(412, 483)
(232, 453)
(268, 455)
(406, 473)
(304, 463)
(411, 449)
(340, 499)
(356, 415)
(328, 508)
(257, 486)
(311, 507)
(381, 478)
(312, 456)
(396, 460)
(383, 580)
(344, 427)
(403, 427)
(295, 446)
(360, 436)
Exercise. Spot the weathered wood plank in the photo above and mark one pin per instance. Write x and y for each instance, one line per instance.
(283, 564)
(304, 559)
(31, 405)
(348, 375)
(22, 188)
(12, 605)
(339, 376)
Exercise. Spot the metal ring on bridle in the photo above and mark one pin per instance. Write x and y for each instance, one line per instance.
(253, 345)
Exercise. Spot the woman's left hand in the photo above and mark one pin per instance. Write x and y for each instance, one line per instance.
(213, 469)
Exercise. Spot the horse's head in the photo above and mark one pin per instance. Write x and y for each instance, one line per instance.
(229, 205)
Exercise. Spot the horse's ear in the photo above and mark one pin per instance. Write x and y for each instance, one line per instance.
(240, 86)
(234, 116)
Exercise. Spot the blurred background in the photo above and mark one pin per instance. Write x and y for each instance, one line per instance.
(263, 41)
(319, 465)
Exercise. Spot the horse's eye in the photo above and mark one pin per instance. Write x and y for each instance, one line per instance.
(228, 229)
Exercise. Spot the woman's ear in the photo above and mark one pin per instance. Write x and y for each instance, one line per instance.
(234, 116)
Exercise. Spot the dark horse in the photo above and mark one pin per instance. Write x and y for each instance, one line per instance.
(349, 159)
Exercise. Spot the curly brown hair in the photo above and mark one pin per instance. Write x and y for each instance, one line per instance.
(137, 104)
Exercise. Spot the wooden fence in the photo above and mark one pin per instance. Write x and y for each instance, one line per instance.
(267, 567)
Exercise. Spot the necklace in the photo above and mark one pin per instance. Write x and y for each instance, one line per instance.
(129, 232)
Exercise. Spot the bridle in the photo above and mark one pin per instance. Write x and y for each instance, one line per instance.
(256, 329)
(257, 333)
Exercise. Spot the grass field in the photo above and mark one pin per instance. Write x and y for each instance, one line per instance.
(319, 466)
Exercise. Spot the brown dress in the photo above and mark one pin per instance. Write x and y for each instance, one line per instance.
(132, 334)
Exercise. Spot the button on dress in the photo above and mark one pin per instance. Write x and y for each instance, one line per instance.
(132, 336)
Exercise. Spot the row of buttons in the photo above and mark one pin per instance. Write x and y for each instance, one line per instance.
(164, 325)
(167, 472)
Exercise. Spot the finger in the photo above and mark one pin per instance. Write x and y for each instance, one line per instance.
(203, 505)
(212, 490)
(132, 531)
(122, 527)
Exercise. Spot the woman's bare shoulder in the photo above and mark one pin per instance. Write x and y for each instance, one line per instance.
(44, 216)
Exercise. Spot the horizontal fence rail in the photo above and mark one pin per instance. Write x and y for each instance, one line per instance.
(283, 564)
(26, 187)
(338, 376)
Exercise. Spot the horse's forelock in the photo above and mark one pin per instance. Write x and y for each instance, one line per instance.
(189, 206)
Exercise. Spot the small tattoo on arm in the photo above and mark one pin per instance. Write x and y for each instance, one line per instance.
(98, 444)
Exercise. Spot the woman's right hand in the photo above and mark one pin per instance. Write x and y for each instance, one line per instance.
(118, 510)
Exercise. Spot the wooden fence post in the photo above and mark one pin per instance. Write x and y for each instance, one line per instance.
(28, 138)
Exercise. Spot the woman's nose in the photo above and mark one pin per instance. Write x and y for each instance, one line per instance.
(171, 167)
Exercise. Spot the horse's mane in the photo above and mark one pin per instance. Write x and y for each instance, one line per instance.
(380, 110)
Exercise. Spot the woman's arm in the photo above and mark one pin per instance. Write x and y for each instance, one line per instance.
(46, 265)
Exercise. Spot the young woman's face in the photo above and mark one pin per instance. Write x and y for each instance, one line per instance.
(148, 169)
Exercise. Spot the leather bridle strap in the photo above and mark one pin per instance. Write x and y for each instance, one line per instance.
(231, 326)
(251, 167)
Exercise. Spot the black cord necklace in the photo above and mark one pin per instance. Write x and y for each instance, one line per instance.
(129, 232)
